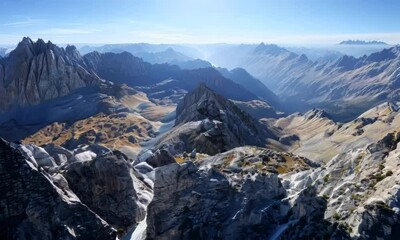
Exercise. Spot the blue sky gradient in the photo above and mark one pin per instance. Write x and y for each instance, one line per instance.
(200, 21)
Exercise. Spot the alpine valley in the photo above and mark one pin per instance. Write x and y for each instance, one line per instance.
(199, 141)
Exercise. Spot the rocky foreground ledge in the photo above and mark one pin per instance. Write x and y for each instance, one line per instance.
(245, 193)
(37, 205)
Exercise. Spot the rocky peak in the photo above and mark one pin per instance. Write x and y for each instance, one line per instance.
(26, 41)
(346, 62)
(200, 104)
(34, 48)
(71, 50)
(349, 62)
(170, 50)
(211, 124)
(271, 49)
(384, 55)
(316, 113)
(35, 72)
(303, 58)
(383, 111)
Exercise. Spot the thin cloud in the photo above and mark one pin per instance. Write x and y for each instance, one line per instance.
(25, 23)
(64, 31)
(161, 37)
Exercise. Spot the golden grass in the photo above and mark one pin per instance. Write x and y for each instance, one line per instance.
(111, 131)
(180, 160)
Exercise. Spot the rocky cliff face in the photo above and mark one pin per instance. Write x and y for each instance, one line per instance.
(211, 124)
(200, 204)
(111, 187)
(36, 205)
(37, 71)
(231, 197)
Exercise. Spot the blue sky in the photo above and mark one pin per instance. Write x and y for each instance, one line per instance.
(200, 21)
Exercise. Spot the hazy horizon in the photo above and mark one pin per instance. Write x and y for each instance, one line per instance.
(200, 22)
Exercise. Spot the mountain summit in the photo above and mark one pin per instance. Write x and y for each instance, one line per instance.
(38, 71)
(211, 124)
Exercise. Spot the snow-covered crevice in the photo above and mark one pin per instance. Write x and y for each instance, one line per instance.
(148, 146)
(138, 233)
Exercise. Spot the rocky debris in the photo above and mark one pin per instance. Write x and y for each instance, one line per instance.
(35, 72)
(32, 207)
(111, 187)
(212, 124)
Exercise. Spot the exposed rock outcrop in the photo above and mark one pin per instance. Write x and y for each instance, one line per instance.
(200, 204)
(111, 187)
(160, 158)
(360, 187)
(33, 207)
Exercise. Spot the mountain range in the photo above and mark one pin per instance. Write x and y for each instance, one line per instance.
(37, 72)
(361, 42)
(145, 141)
(344, 87)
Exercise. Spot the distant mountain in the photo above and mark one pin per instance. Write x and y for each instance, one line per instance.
(349, 86)
(3, 52)
(273, 50)
(162, 81)
(191, 64)
(139, 49)
(167, 56)
(230, 56)
(344, 87)
(209, 123)
(361, 42)
(242, 77)
(319, 54)
(267, 62)
(35, 72)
